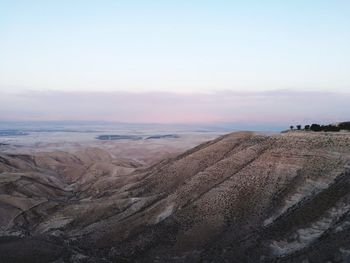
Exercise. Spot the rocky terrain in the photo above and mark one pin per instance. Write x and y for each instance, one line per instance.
(243, 197)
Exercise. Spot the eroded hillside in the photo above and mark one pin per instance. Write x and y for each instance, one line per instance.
(243, 197)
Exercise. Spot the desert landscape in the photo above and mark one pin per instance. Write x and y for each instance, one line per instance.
(241, 197)
(174, 131)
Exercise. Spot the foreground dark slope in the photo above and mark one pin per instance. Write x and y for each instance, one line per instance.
(240, 198)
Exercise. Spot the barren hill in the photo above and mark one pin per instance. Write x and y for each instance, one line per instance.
(243, 197)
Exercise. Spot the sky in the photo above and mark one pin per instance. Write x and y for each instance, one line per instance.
(175, 53)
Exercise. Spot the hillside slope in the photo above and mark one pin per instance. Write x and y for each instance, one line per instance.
(243, 197)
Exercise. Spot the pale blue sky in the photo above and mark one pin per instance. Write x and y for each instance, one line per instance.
(174, 45)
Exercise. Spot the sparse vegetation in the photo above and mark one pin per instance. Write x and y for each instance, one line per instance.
(327, 128)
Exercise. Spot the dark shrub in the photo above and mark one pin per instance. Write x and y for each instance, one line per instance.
(315, 127)
(330, 128)
(307, 127)
(344, 125)
(299, 127)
